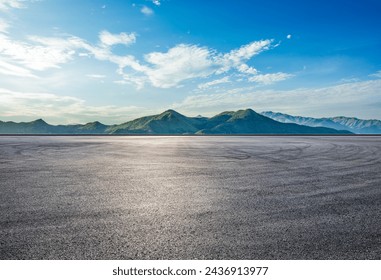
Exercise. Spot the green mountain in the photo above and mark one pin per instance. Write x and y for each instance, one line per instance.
(37, 126)
(171, 122)
(168, 122)
(93, 127)
(250, 122)
(41, 127)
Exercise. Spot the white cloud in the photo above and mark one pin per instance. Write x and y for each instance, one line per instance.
(376, 75)
(289, 36)
(96, 76)
(348, 80)
(84, 54)
(183, 62)
(124, 61)
(247, 51)
(236, 58)
(61, 109)
(213, 83)
(137, 81)
(13, 70)
(178, 64)
(244, 68)
(41, 53)
(7, 4)
(108, 39)
(159, 69)
(268, 79)
(15, 103)
(3, 26)
(350, 99)
(147, 11)
(156, 2)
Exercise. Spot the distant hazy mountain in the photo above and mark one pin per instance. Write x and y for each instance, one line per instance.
(41, 127)
(171, 122)
(340, 123)
(37, 126)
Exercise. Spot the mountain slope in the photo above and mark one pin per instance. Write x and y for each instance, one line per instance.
(168, 122)
(171, 122)
(249, 122)
(340, 123)
(37, 126)
(41, 127)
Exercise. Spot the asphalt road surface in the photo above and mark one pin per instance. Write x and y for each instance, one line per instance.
(190, 197)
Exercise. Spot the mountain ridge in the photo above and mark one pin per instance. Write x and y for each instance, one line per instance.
(170, 122)
(355, 125)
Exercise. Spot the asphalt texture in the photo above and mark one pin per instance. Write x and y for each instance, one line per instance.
(190, 197)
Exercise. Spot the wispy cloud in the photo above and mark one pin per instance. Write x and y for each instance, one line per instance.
(183, 62)
(40, 53)
(350, 99)
(237, 57)
(13, 70)
(137, 81)
(214, 82)
(268, 79)
(146, 11)
(8, 4)
(54, 108)
(246, 69)
(376, 75)
(156, 2)
(159, 69)
(96, 76)
(108, 39)
(178, 64)
(3, 26)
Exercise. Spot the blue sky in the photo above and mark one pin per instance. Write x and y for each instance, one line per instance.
(113, 61)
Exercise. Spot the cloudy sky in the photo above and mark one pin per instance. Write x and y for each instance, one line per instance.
(112, 61)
